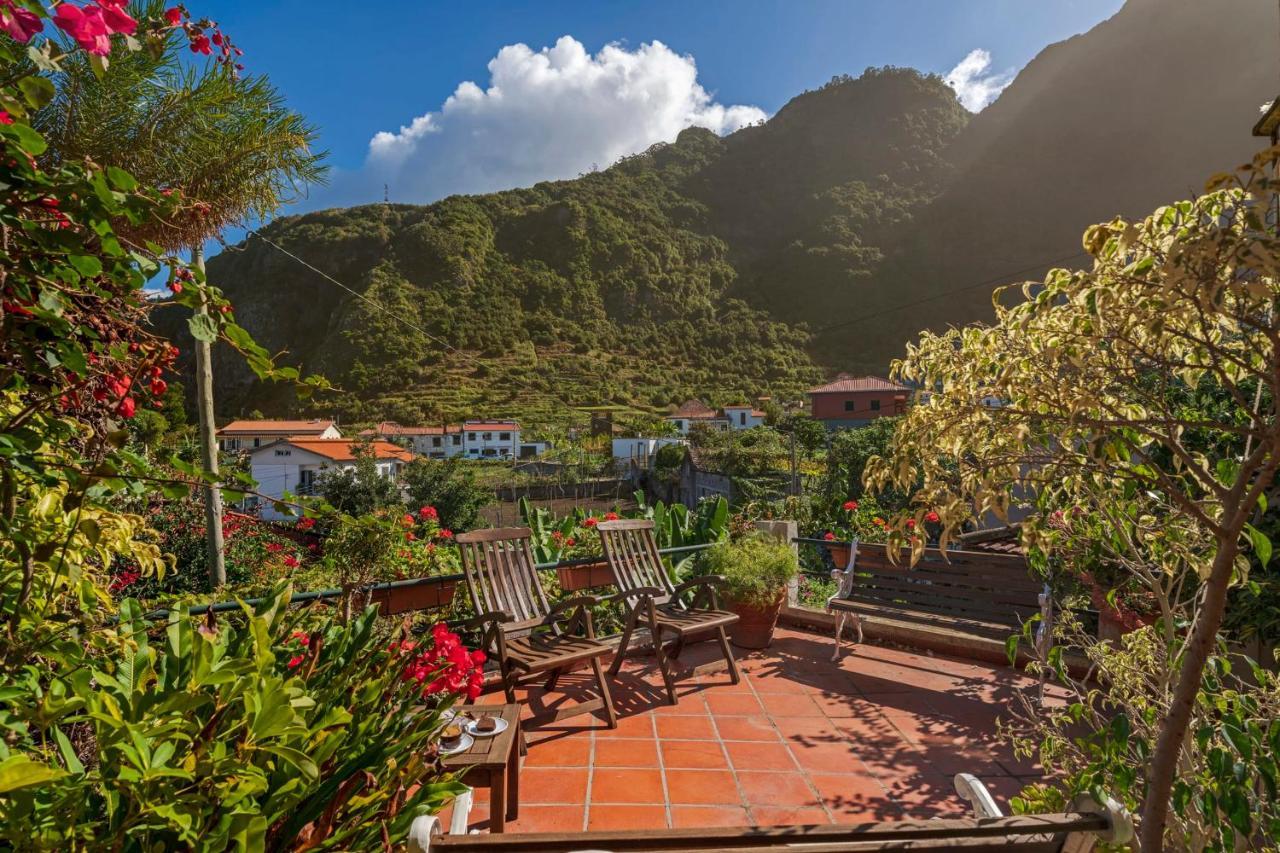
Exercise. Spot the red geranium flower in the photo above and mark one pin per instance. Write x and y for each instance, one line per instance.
(850, 506)
(446, 534)
(428, 513)
(829, 536)
(591, 521)
(610, 516)
(931, 517)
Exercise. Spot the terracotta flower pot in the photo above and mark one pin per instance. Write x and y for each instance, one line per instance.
(839, 555)
(423, 596)
(585, 577)
(754, 628)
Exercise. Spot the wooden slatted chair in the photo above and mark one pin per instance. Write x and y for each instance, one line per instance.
(528, 635)
(656, 603)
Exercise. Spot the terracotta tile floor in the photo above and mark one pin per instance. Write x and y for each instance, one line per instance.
(801, 740)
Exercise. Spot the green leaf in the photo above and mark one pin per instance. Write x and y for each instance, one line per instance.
(203, 328)
(37, 90)
(28, 140)
(87, 265)
(1261, 544)
(121, 180)
(19, 771)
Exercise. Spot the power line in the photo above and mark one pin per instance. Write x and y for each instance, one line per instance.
(380, 307)
(1003, 277)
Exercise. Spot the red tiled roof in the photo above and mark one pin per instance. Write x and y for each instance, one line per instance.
(846, 384)
(343, 449)
(513, 425)
(694, 409)
(282, 427)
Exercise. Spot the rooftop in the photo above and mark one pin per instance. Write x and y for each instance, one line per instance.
(310, 427)
(343, 449)
(694, 409)
(801, 740)
(393, 428)
(845, 384)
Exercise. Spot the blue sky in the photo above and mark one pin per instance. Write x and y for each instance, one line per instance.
(355, 69)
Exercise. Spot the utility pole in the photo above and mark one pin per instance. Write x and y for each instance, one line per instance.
(795, 474)
(209, 445)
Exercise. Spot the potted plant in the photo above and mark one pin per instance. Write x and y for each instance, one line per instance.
(573, 541)
(862, 520)
(756, 570)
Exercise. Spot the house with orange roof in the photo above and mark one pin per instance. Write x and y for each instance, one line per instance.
(248, 434)
(292, 466)
(437, 442)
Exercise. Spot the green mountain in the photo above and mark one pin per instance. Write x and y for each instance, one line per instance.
(660, 278)
(823, 239)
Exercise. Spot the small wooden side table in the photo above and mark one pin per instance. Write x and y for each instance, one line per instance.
(494, 761)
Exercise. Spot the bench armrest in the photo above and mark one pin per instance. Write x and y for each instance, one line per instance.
(638, 592)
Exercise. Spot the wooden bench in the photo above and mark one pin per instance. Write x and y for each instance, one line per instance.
(968, 602)
(1053, 833)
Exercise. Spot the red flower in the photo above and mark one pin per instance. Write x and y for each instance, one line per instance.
(176, 287)
(116, 18)
(610, 516)
(158, 387)
(225, 309)
(878, 521)
(302, 637)
(911, 523)
(407, 520)
(446, 534)
(86, 25)
(592, 521)
(829, 536)
(274, 547)
(128, 407)
(306, 523)
(291, 561)
(410, 536)
(850, 506)
(5, 118)
(296, 661)
(173, 15)
(931, 517)
(569, 542)
(19, 23)
(200, 44)
(428, 512)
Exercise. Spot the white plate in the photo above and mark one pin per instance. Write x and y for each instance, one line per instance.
(464, 744)
(470, 728)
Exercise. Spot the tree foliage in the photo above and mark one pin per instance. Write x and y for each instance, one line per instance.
(1073, 404)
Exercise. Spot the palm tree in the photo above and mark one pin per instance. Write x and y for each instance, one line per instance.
(228, 142)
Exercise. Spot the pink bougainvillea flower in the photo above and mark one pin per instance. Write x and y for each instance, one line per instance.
(116, 18)
(5, 118)
(19, 23)
(850, 506)
(86, 25)
(173, 15)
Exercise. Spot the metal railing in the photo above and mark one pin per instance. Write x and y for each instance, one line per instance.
(308, 596)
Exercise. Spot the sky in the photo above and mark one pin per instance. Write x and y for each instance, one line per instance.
(434, 98)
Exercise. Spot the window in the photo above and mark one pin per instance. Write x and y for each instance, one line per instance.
(488, 436)
(435, 442)
(256, 442)
(504, 436)
(457, 439)
(471, 436)
(875, 405)
(848, 405)
(742, 418)
(284, 453)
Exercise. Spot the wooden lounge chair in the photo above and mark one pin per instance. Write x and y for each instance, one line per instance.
(529, 636)
(656, 603)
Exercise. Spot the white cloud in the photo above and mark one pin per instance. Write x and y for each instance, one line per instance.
(546, 114)
(976, 86)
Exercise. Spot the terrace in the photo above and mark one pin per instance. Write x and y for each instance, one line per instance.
(878, 736)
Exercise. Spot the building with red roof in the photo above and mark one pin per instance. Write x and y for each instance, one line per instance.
(856, 401)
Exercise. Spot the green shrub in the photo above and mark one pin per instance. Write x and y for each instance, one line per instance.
(756, 569)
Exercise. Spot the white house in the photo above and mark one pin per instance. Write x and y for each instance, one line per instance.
(246, 435)
(638, 453)
(694, 412)
(294, 464)
(436, 442)
(491, 439)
